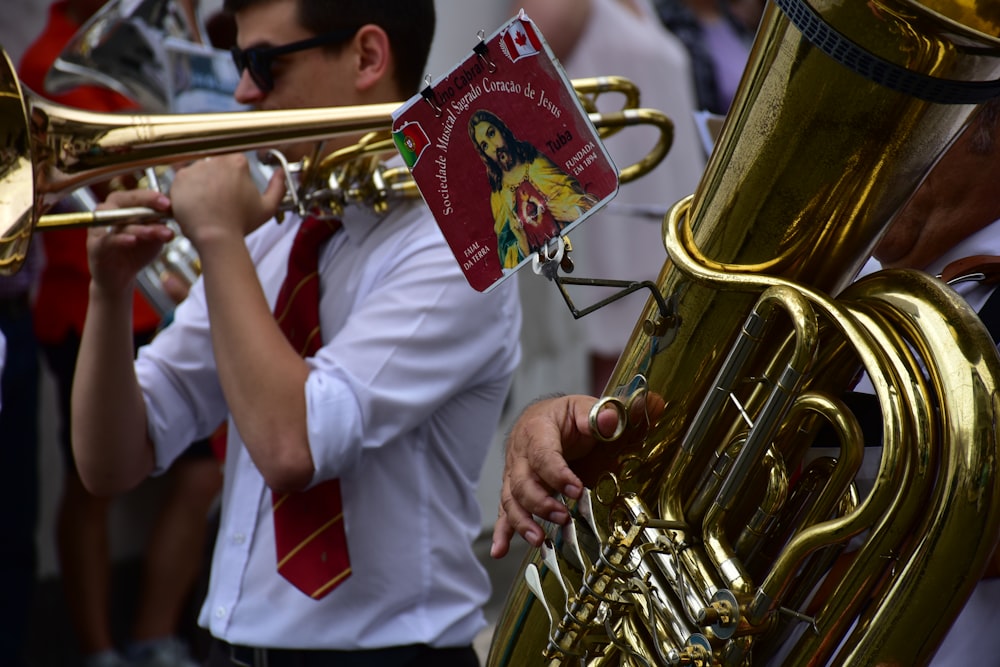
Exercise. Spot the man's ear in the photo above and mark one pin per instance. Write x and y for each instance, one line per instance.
(374, 57)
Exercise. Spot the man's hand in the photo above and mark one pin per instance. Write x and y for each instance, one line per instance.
(218, 198)
(174, 286)
(116, 254)
(548, 433)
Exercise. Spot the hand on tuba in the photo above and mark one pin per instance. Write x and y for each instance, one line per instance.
(545, 436)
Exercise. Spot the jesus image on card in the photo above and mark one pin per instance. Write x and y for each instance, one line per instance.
(504, 154)
(532, 199)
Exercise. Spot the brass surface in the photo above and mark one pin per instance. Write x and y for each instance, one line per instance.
(693, 507)
(55, 149)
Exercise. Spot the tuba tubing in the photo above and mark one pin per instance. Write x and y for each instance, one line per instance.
(842, 110)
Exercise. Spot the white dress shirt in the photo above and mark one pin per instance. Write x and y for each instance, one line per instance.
(402, 401)
(624, 241)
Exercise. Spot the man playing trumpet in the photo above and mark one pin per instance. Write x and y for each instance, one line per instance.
(380, 417)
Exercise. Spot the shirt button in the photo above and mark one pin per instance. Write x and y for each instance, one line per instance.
(220, 612)
(239, 538)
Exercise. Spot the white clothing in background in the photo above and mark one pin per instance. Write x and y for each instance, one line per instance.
(623, 241)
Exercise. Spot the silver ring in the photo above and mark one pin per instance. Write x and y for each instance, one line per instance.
(622, 421)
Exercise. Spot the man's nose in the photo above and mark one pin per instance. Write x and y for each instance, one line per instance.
(247, 92)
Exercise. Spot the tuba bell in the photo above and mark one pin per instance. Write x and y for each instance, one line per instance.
(704, 536)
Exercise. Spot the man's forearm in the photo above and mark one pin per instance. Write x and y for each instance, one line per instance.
(110, 442)
(262, 376)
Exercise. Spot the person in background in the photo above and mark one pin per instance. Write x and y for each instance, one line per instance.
(622, 241)
(747, 12)
(368, 405)
(718, 43)
(175, 553)
(954, 215)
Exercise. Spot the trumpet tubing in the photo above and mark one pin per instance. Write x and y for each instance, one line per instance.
(690, 546)
(368, 182)
(50, 149)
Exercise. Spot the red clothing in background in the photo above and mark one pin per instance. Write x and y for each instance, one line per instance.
(61, 303)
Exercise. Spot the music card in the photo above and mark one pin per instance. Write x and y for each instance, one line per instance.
(504, 153)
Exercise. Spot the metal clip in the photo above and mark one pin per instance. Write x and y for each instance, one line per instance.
(547, 259)
(482, 51)
(428, 94)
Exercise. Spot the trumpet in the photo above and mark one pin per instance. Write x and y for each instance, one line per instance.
(355, 175)
(49, 149)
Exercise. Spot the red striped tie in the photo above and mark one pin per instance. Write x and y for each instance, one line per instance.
(309, 526)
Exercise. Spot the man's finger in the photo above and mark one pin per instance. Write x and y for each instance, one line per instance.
(502, 534)
(129, 198)
(522, 522)
(536, 499)
(550, 466)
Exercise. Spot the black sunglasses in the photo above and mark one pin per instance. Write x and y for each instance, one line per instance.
(259, 59)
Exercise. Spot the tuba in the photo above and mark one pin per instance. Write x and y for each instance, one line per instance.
(705, 535)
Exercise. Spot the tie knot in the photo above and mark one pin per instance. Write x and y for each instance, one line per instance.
(312, 233)
(315, 231)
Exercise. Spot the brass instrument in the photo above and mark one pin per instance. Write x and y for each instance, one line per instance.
(699, 541)
(49, 149)
(155, 52)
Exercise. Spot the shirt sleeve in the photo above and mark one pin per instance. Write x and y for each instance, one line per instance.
(177, 374)
(415, 337)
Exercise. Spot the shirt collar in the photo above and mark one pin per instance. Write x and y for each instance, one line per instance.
(359, 220)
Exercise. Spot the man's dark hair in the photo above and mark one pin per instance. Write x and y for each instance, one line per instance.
(408, 23)
(521, 151)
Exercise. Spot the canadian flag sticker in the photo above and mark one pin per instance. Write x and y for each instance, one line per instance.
(520, 40)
